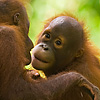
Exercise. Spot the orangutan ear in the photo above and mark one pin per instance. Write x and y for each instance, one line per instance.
(80, 52)
(16, 18)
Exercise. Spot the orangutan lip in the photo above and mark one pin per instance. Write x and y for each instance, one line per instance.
(40, 59)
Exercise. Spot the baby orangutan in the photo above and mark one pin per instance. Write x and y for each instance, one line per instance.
(63, 46)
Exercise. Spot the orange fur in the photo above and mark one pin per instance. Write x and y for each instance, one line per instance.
(88, 64)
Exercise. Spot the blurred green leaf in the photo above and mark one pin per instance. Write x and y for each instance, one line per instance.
(89, 10)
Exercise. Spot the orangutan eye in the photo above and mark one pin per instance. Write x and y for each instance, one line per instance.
(47, 35)
(58, 42)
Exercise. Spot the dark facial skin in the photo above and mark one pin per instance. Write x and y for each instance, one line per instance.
(21, 20)
(24, 28)
(28, 44)
(16, 83)
(58, 45)
(15, 15)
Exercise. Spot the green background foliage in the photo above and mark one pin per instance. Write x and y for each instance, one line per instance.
(87, 10)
